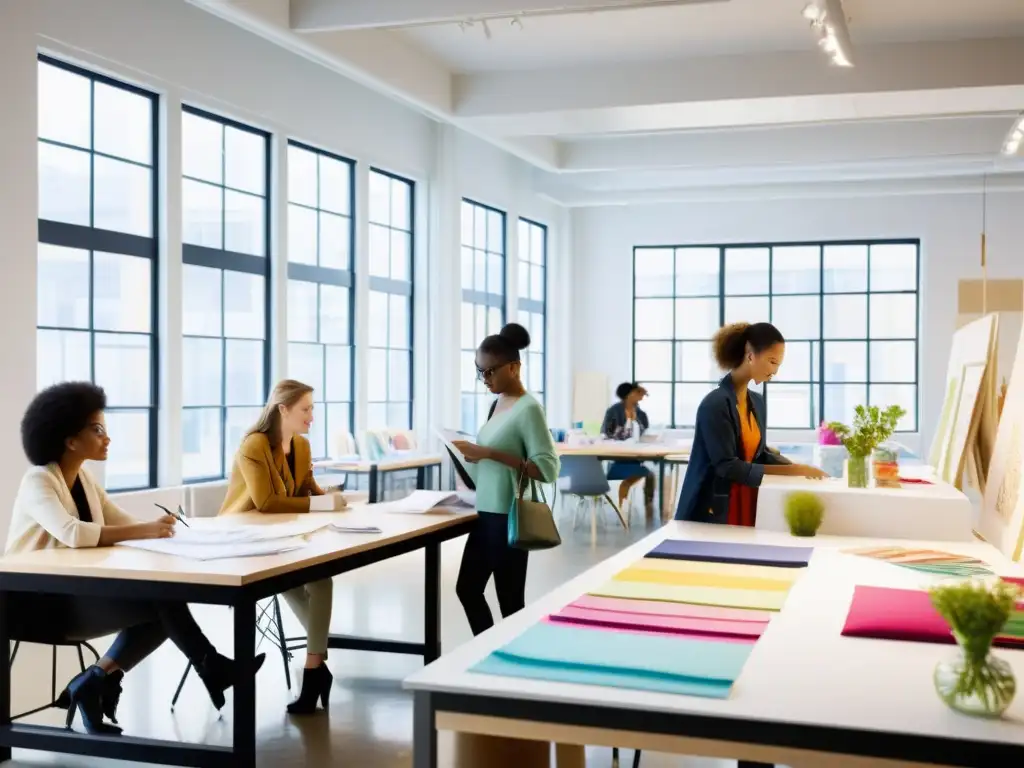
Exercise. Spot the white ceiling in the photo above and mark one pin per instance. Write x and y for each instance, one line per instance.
(712, 98)
(710, 29)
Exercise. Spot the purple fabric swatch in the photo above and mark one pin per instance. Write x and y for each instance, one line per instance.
(727, 552)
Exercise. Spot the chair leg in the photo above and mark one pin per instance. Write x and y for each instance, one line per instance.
(53, 674)
(615, 757)
(282, 643)
(618, 512)
(14, 651)
(636, 758)
(181, 684)
(93, 651)
(81, 657)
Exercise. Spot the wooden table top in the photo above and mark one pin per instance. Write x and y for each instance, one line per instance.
(324, 545)
(387, 464)
(624, 450)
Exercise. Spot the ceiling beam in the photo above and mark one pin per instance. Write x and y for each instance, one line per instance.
(337, 15)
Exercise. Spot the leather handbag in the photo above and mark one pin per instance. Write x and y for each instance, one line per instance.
(531, 524)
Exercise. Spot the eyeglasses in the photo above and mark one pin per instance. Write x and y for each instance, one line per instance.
(485, 373)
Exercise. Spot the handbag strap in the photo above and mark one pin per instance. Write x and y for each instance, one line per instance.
(521, 486)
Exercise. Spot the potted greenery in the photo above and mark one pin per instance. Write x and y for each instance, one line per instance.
(976, 682)
(872, 426)
(804, 513)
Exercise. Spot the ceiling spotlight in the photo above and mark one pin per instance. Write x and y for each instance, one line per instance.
(828, 21)
(1015, 138)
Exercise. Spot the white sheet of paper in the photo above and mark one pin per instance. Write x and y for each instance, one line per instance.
(340, 528)
(227, 533)
(215, 551)
(419, 502)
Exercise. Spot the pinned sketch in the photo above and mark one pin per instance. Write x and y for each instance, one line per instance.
(964, 422)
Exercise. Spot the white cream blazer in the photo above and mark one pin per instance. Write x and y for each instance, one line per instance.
(45, 516)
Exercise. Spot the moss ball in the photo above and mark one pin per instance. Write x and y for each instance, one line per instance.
(804, 512)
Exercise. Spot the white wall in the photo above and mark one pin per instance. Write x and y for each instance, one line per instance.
(189, 56)
(949, 227)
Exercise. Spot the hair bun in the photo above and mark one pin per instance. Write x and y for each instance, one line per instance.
(516, 335)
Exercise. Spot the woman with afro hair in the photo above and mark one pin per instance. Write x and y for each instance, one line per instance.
(59, 504)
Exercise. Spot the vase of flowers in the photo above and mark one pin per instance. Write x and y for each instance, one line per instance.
(871, 427)
(975, 682)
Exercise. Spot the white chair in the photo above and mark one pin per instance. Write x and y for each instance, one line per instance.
(205, 499)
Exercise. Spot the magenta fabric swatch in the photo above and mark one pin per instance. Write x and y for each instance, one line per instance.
(902, 614)
(661, 608)
(675, 625)
(635, 630)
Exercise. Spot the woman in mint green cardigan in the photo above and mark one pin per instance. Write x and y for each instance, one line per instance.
(515, 438)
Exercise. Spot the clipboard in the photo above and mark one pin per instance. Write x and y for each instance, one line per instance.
(457, 460)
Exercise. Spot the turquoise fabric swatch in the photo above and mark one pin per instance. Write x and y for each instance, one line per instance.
(495, 665)
(597, 657)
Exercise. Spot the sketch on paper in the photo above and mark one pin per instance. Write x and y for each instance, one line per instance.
(1009, 489)
(941, 441)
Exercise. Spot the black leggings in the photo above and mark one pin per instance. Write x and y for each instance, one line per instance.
(487, 552)
(142, 625)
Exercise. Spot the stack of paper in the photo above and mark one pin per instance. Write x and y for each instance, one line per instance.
(927, 560)
(681, 620)
(219, 551)
(419, 502)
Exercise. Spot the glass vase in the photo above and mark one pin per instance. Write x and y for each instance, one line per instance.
(976, 682)
(857, 472)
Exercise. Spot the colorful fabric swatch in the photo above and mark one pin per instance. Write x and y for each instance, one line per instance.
(927, 560)
(728, 552)
(679, 625)
(688, 578)
(729, 569)
(565, 653)
(721, 596)
(908, 614)
(684, 610)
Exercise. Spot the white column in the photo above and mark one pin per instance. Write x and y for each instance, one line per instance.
(18, 235)
(279, 259)
(445, 283)
(361, 295)
(512, 261)
(559, 320)
(171, 292)
(423, 364)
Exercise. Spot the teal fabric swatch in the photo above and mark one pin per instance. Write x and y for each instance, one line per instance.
(624, 659)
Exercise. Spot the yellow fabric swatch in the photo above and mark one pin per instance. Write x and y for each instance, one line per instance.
(731, 569)
(771, 600)
(691, 579)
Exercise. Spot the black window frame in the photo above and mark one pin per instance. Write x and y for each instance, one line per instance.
(484, 299)
(535, 307)
(392, 287)
(234, 261)
(93, 240)
(817, 382)
(339, 278)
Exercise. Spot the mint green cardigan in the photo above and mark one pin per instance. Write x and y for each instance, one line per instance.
(522, 431)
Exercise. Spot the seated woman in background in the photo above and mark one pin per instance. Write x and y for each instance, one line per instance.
(729, 457)
(624, 421)
(59, 504)
(273, 473)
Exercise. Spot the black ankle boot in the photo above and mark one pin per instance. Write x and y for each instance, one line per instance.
(85, 695)
(219, 673)
(316, 684)
(112, 694)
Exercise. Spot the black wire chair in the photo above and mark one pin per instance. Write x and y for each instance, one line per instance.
(270, 628)
(615, 758)
(78, 645)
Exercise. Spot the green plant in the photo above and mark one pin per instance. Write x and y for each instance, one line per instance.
(804, 512)
(976, 612)
(871, 427)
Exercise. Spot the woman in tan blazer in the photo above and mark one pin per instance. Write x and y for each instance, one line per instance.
(59, 504)
(273, 473)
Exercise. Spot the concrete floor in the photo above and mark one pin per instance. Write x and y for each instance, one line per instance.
(370, 719)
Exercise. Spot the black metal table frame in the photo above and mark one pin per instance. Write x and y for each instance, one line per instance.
(816, 738)
(376, 474)
(242, 752)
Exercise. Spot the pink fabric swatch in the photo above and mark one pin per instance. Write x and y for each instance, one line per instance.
(636, 630)
(902, 614)
(681, 625)
(659, 608)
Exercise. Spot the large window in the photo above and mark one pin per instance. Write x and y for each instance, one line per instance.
(391, 263)
(97, 255)
(225, 291)
(849, 312)
(320, 244)
(533, 261)
(483, 300)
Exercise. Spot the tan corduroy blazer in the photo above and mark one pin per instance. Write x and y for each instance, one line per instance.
(45, 516)
(262, 480)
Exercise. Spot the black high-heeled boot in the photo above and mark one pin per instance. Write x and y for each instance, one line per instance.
(316, 684)
(219, 673)
(85, 695)
(111, 694)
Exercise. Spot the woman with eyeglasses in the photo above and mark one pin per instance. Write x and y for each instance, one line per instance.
(514, 440)
(59, 504)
